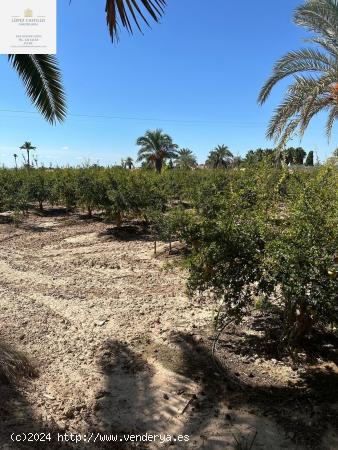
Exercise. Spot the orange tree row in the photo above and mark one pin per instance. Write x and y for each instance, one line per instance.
(255, 235)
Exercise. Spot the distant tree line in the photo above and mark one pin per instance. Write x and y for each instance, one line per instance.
(290, 156)
(157, 151)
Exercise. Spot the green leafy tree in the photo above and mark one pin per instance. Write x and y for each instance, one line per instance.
(309, 159)
(156, 147)
(299, 258)
(185, 159)
(220, 157)
(134, 193)
(226, 257)
(39, 186)
(245, 246)
(91, 186)
(65, 188)
(14, 194)
(258, 155)
(314, 74)
(294, 155)
(299, 155)
(169, 225)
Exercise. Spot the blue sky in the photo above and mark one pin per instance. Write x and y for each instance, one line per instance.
(196, 75)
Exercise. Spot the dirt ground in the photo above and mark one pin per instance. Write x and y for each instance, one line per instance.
(119, 348)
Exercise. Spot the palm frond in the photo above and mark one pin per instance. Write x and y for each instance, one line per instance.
(288, 131)
(305, 97)
(319, 16)
(303, 60)
(144, 154)
(42, 80)
(333, 115)
(328, 45)
(130, 13)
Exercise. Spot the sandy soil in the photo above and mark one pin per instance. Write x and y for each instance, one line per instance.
(113, 336)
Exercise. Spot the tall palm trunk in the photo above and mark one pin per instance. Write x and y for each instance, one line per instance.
(279, 159)
(28, 161)
(158, 165)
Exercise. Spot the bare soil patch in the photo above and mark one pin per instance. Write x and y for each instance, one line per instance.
(120, 348)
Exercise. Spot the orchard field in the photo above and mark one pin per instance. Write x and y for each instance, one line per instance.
(199, 302)
(194, 302)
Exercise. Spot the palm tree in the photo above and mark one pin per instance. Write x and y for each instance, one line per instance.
(28, 147)
(185, 159)
(15, 160)
(128, 163)
(221, 156)
(316, 91)
(42, 79)
(156, 147)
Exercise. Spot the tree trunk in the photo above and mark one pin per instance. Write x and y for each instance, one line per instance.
(195, 244)
(158, 165)
(299, 322)
(89, 210)
(28, 162)
(304, 322)
(40, 205)
(119, 219)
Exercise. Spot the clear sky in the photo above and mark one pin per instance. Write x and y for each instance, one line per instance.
(196, 75)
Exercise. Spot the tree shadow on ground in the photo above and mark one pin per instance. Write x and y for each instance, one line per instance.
(6, 219)
(128, 232)
(52, 212)
(130, 404)
(125, 406)
(94, 217)
(306, 411)
(133, 402)
(261, 335)
(16, 414)
(30, 227)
